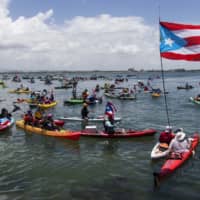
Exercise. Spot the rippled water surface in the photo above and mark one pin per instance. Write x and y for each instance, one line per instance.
(39, 167)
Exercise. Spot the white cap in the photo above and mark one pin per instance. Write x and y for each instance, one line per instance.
(180, 136)
(168, 127)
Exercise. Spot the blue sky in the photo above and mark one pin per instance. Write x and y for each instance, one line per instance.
(88, 34)
(178, 10)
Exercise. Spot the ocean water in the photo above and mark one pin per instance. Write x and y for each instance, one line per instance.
(39, 167)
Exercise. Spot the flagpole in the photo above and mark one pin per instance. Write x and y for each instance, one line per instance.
(163, 78)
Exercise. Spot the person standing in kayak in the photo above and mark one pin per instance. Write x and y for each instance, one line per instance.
(110, 111)
(84, 115)
(84, 111)
(109, 127)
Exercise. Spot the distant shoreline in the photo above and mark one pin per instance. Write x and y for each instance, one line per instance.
(99, 71)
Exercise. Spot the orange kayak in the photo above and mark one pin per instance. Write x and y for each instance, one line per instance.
(67, 134)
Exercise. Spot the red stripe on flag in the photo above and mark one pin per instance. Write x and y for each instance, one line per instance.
(176, 27)
(176, 56)
(195, 40)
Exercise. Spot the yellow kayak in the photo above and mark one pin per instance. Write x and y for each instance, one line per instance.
(156, 94)
(20, 91)
(47, 105)
(56, 133)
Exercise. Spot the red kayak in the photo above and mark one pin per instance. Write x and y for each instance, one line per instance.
(121, 133)
(173, 163)
(6, 123)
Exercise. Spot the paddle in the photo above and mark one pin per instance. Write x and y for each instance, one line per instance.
(156, 180)
(16, 108)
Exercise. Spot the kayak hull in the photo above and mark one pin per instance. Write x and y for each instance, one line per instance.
(120, 134)
(20, 91)
(113, 96)
(47, 105)
(59, 134)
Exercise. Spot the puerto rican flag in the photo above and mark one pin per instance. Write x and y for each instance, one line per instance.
(180, 41)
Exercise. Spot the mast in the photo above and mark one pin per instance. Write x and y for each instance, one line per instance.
(163, 78)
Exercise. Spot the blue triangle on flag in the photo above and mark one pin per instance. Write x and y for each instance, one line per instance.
(169, 41)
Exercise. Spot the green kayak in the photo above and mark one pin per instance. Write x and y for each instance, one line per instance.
(74, 101)
(194, 101)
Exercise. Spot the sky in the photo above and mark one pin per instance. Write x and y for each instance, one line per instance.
(88, 34)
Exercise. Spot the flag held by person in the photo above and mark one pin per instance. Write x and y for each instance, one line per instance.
(180, 41)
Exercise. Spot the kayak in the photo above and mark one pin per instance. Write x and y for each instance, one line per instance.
(74, 101)
(63, 87)
(67, 134)
(159, 150)
(6, 123)
(114, 96)
(97, 119)
(194, 101)
(185, 87)
(20, 91)
(120, 133)
(154, 94)
(81, 101)
(173, 163)
(47, 105)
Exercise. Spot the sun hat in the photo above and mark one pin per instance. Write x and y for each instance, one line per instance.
(180, 136)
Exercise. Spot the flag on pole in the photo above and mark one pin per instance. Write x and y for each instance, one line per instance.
(180, 41)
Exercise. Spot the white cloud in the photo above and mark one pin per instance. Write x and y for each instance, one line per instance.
(82, 43)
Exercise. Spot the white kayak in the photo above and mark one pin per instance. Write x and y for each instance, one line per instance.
(160, 150)
(97, 119)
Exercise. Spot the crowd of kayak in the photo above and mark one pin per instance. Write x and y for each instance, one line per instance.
(174, 146)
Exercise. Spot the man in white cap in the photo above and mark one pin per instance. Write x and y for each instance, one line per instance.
(180, 143)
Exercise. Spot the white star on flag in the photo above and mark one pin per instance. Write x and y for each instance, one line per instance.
(169, 42)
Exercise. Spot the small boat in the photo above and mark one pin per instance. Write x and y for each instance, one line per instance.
(185, 87)
(47, 105)
(63, 87)
(119, 133)
(155, 94)
(160, 150)
(97, 119)
(20, 91)
(73, 101)
(194, 100)
(121, 97)
(173, 163)
(6, 123)
(67, 134)
(110, 95)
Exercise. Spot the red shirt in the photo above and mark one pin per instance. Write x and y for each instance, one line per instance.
(166, 137)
